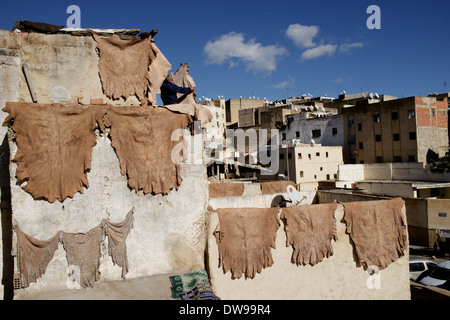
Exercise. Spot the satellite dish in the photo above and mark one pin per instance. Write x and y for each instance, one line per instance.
(312, 141)
(293, 194)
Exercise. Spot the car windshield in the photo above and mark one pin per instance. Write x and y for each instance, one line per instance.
(440, 273)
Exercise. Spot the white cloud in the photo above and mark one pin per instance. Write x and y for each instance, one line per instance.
(232, 48)
(301, 35)
(327, 49)
(285, 84)
(347, 47)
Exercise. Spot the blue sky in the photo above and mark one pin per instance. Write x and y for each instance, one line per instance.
(283, 48)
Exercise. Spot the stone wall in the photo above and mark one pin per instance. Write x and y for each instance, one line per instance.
(168, 233)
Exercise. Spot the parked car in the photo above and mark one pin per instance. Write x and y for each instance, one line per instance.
(438, 277)
(417, 265)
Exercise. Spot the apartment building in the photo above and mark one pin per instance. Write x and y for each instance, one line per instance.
(314, 128)
(413, 129)
(307, 165)
(232, 107)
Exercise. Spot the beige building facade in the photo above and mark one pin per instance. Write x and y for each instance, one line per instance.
(308, 164)
(413, 129)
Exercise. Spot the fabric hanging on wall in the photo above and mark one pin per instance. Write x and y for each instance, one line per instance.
(33, 256)
(54, 147)
(310, 229)
(117, 235)
(378, 231)
(83, 250)
(220, 190)
(123, 66)
(142, 141)
(245, 237)
(272, 187)
(157, 73)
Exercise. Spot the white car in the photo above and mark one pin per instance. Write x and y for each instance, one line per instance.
(438, 277)
(418, 265)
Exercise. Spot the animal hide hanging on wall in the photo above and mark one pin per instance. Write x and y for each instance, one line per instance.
(378, 231)
(157, 73)
(117, 235)
(83, 250)
(310, 230)
(142, 140)
(245, 237)
(33, 256)
(54, 147)
(123, 66)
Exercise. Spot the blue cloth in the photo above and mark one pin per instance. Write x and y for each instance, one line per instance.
(200, 292)
(169, 92)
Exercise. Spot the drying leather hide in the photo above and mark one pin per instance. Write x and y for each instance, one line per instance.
(157, 73)
(141, 137)
(245, 237)
(33, 256)
(273, 187)
(117, 235)
(310, 229)
(123, 66)
(220, 190)
(378, 231)
(54, 147)
(83, 250)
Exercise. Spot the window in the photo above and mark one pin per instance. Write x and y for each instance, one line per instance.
(289, 155)
(316, 133)
(376, 118)
(315, 177)
(378, 137)
(309, 156)
(281, 156)
(411, 158)
(351, 139)
(326, 154)
(350, 120)
(396, 137)
(397, 159)
(433, 112)
(334, 131)
(411, 114)
(317, 154)
(412, 136)
(379, 160)
(359, 126)
(394, 115)
(321, 168)
(299, 155)
(301, 174)
(361, 145)
(297, 134)
(283, 136)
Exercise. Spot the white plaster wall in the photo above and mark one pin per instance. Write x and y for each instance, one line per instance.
(9, 91)
(335, 278)
(168, 232)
